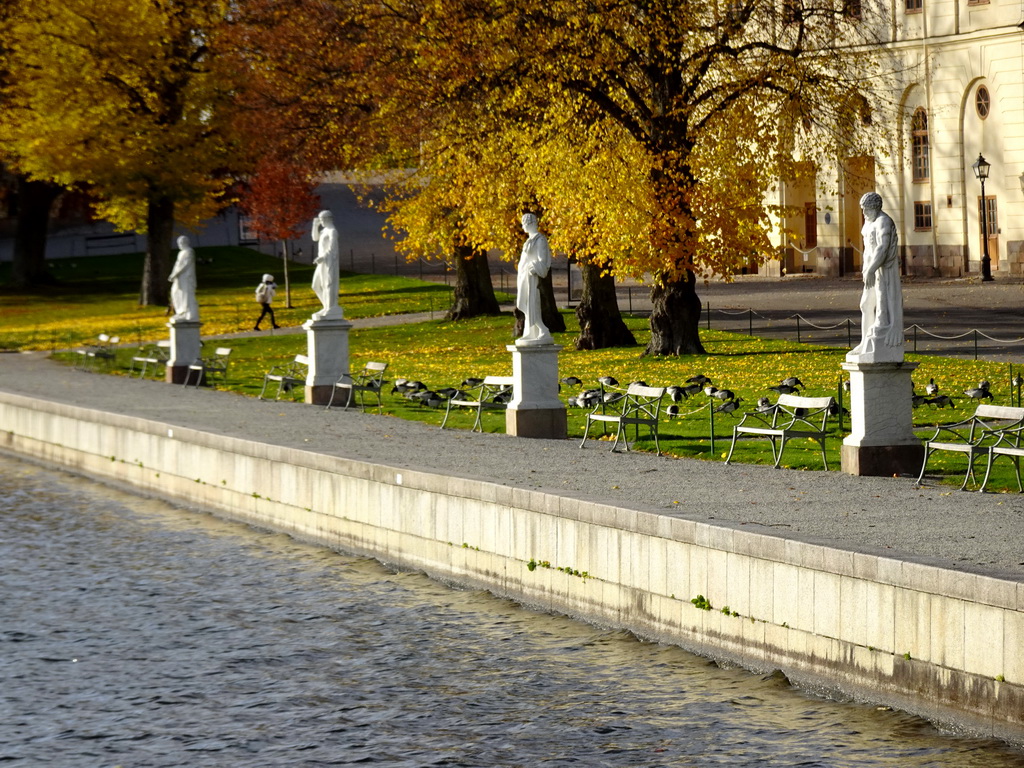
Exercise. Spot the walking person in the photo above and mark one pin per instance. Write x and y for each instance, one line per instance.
(264, 295)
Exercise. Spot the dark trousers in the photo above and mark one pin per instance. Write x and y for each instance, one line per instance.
(267, 310)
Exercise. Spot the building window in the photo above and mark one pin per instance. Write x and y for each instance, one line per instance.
(914, 6)
(977, 2)
(919, 145)
(851, 9)
(982, 102)
(922, 216)
(792, 11)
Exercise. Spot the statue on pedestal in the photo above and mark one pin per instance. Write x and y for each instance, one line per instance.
(325, 277)
(881, 303)
(183, 283)
(534, 264)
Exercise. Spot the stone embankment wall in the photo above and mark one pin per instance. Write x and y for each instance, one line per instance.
(940, 643)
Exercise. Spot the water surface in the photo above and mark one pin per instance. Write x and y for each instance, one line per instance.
(137, 634)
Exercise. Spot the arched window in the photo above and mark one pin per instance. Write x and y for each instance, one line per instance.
(919, 145)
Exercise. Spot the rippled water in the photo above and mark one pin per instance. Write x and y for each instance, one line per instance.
(136, 634)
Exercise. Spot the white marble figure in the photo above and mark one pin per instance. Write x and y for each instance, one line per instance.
(881, 303)
(183, 283)
(534, 264)
(325, 276)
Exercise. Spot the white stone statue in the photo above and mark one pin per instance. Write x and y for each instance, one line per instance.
(183, 283)
(325, 277)
(881, 303)
(534, 264)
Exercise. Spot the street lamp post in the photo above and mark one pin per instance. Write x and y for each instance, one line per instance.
(981, 168)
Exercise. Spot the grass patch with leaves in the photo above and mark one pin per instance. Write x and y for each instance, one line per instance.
(100, 294)
(443, 354)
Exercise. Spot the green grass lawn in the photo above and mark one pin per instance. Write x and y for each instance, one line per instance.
(443, 354)
(100, 295)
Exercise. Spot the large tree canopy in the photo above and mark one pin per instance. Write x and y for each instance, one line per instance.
(128, 97)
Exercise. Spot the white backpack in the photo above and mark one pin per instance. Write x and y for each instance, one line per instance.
(261, 293)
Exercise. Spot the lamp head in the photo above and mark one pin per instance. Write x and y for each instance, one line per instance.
(981, 167)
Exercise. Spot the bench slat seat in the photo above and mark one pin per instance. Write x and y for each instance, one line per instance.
(493, 393)
(104, 350)
(215, 365)
(156, 355)
(369, 381)
(794, 416)
(640, 406)
(990, 426)
(287, 376)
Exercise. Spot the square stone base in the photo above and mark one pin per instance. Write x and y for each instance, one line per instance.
(548, 423)
(882, 460)
(319, 394)
(175, 374)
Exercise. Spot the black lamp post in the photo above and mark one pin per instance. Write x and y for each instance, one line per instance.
(981, 168)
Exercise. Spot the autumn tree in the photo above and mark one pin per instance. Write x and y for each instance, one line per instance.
(689, 107)
(128, 97)
(280, 200)
(33, 199)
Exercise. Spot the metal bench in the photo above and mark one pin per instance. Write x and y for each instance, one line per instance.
(493, 393)
(369, 381)
(977, 436)
(1008, 443)
(156, 355)
(215, 365)
(793, 416)
(105, 350)
(287, 376)
(639, 406)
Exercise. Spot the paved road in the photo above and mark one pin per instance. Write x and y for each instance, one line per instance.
(971, 531)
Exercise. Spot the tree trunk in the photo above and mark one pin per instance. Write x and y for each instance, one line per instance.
(601, 323)
(155, 290)
(35, 199)
(675, 319)
(549, 313)
(474, 294)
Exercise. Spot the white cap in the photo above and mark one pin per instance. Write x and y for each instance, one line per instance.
(268, 278)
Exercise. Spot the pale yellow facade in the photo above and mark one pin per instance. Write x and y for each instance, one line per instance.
(959, 93)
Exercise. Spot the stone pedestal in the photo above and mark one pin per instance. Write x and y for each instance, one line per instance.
(535, 410)
(882, 441)
(327, 349)
(185, 349)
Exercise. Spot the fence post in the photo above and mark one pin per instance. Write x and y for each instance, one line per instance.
(975, 343)
(711, 411)
(849, 333)
(915, 337)
(798, 329)
(707, 308)
(750, 322)
(629, 292)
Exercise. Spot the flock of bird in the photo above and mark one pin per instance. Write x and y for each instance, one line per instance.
(609, 391)
(419, 392)
(983, 391)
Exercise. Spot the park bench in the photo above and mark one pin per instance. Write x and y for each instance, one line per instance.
(978, 436)
(794, 416)
(214, 365)
(105, 349)
(287, 376)
(639, 406)
(369, 381)
(493, 393)
(156, 355)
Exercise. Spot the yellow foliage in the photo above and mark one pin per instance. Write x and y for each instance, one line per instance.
(125, 96)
